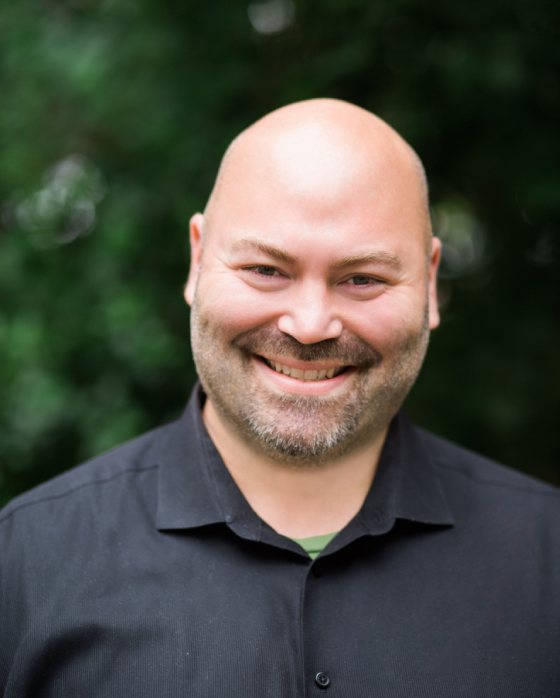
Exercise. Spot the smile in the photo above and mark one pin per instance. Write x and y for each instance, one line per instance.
(318, 374)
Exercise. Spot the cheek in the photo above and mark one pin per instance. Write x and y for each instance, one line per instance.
(387, 323)
(230, 308)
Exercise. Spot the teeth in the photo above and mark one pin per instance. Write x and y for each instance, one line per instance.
(314, 375)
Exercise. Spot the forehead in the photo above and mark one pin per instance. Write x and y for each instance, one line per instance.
(312, 162)
(314, 184)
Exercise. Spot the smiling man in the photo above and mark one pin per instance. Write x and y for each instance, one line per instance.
(292, 533)
(312, 287)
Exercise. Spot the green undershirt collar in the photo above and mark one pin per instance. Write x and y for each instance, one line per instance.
(314, 545)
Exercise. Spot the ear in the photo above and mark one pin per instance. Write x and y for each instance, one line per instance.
(435, 258)
(195, 236)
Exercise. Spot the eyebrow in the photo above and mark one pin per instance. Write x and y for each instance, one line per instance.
(386, 259)
(266, 249)
(376, 257)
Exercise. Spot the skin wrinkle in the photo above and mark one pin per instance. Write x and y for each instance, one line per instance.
(380, 257)
(348, 350)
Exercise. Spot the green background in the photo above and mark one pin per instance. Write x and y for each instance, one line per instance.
(113, 118)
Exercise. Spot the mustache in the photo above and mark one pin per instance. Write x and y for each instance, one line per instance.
(346, 349)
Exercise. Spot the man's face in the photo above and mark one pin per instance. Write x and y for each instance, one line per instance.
(312, 300)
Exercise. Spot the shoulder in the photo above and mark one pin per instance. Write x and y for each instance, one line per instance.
(477, 468)
(481, 487)
(126, 462)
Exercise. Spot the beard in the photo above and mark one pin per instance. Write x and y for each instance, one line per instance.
(303, 430)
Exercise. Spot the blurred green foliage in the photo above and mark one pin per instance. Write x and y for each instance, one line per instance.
(114, 115)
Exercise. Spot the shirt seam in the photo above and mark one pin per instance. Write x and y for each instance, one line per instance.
(71, 491)
(495, 483)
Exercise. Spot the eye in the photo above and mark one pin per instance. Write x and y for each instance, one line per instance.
(263, 270)
(362, 286)
(264, 277)
(362, 280)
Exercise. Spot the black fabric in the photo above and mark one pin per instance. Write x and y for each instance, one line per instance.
(146, 573)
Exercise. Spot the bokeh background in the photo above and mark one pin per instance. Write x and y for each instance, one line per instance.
(113, 118)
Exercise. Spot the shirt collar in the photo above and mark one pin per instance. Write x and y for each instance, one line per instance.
(195, 488)
(407, 485)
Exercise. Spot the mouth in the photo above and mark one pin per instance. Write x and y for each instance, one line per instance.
(318, 373)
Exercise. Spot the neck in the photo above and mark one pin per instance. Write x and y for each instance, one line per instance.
(295, 501)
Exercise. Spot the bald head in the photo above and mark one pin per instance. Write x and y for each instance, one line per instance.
(315, 249)
(317, 151)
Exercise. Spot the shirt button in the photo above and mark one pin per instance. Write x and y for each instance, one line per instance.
(318, 570)
(322, 680)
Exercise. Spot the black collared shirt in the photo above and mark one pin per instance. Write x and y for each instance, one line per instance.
(146, 573)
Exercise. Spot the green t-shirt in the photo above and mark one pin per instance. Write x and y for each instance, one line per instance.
(314, 545)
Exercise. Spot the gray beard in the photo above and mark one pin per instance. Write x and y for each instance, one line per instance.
(310, 430)
(291, 445)
(297, 442)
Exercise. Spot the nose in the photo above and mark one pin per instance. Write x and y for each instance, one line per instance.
(310, 318)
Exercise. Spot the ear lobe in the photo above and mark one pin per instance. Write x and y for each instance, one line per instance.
(195, 236)
(435, 257)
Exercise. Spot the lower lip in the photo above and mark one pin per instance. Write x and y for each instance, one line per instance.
(287, 384)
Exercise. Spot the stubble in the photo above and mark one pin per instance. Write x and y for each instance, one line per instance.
(300, 430)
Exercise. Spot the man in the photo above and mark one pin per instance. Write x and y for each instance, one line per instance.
(292, 533)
